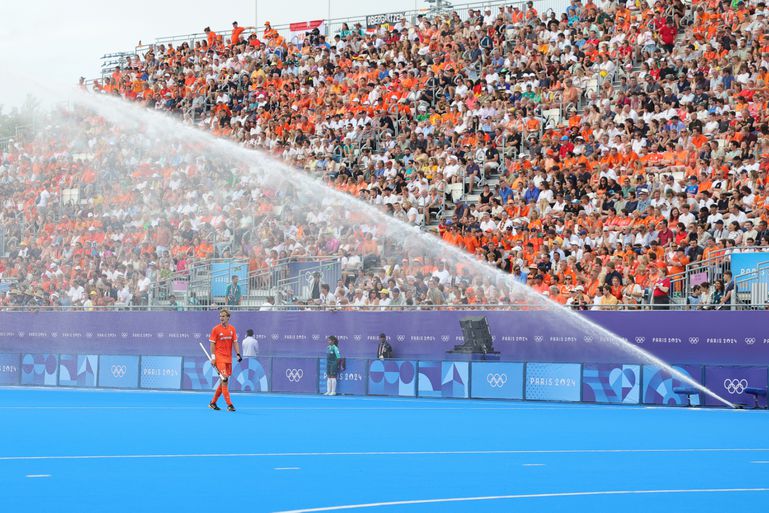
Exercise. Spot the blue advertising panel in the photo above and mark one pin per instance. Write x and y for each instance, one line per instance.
(742, 263)
(456, 379)
(607, 383)
(161, 372)
(730, 383)
(392, 377)
(198, 374)
(250, 375)
(39, 369)
(118, 371)
(553, 381)
(429, 379)
(10, 368)
(297, 375)
(443, 379)
(350, 381)
(659, 385)
(78, 370)
(497, 380)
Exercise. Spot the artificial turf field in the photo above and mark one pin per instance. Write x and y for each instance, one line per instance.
(74, 450)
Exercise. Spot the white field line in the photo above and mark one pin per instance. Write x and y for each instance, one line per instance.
(384, 453)
(524, 496)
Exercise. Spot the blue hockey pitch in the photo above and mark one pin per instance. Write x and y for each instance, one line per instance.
(72, 450)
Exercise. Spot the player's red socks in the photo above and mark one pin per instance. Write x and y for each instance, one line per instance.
(226, 389)
(218, 393)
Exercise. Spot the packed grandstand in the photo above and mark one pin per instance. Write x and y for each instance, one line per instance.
(597, 155)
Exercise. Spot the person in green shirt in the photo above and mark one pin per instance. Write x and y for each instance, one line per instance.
(233, 293)
(332, 364)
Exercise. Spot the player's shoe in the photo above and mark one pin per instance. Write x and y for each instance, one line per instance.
(230, 407)
(214, 406)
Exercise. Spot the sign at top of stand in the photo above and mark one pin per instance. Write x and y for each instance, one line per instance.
(375, 20)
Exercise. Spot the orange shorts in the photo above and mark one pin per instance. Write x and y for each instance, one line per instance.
(225, 369)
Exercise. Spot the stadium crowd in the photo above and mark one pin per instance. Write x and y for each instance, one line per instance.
(612, 145)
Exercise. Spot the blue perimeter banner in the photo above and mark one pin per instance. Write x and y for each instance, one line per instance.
(497, 380)
(730, 383)
(659, 385)
(553, 381)
(615, 384)
(392, 377)
(443, 379)
(297, 375)
(703, 338)
(250, 375)
(10, 369)
(119, 371)
(198, 374)
(39, 369)
(78, 370)
(351, 381)
(603, 383)
(164, 372)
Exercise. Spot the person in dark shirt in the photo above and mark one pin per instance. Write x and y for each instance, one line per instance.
(486, 195)
(384, 350)
(611, 273)
(632, 203)
(693, 251)
(763, 232)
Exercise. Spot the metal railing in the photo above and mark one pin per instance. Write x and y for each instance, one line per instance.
(708, 270)
(196, 284)
(298, 288)
(20, 134)
(331, 26)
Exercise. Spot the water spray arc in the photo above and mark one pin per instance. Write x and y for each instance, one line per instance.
(166, 131)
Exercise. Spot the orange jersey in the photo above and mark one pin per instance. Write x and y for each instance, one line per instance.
(223, 338)
(236, 32)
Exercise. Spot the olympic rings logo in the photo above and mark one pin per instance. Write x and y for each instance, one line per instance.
(496, 380)
(735, 386)
(294, 375)
(118, 371)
